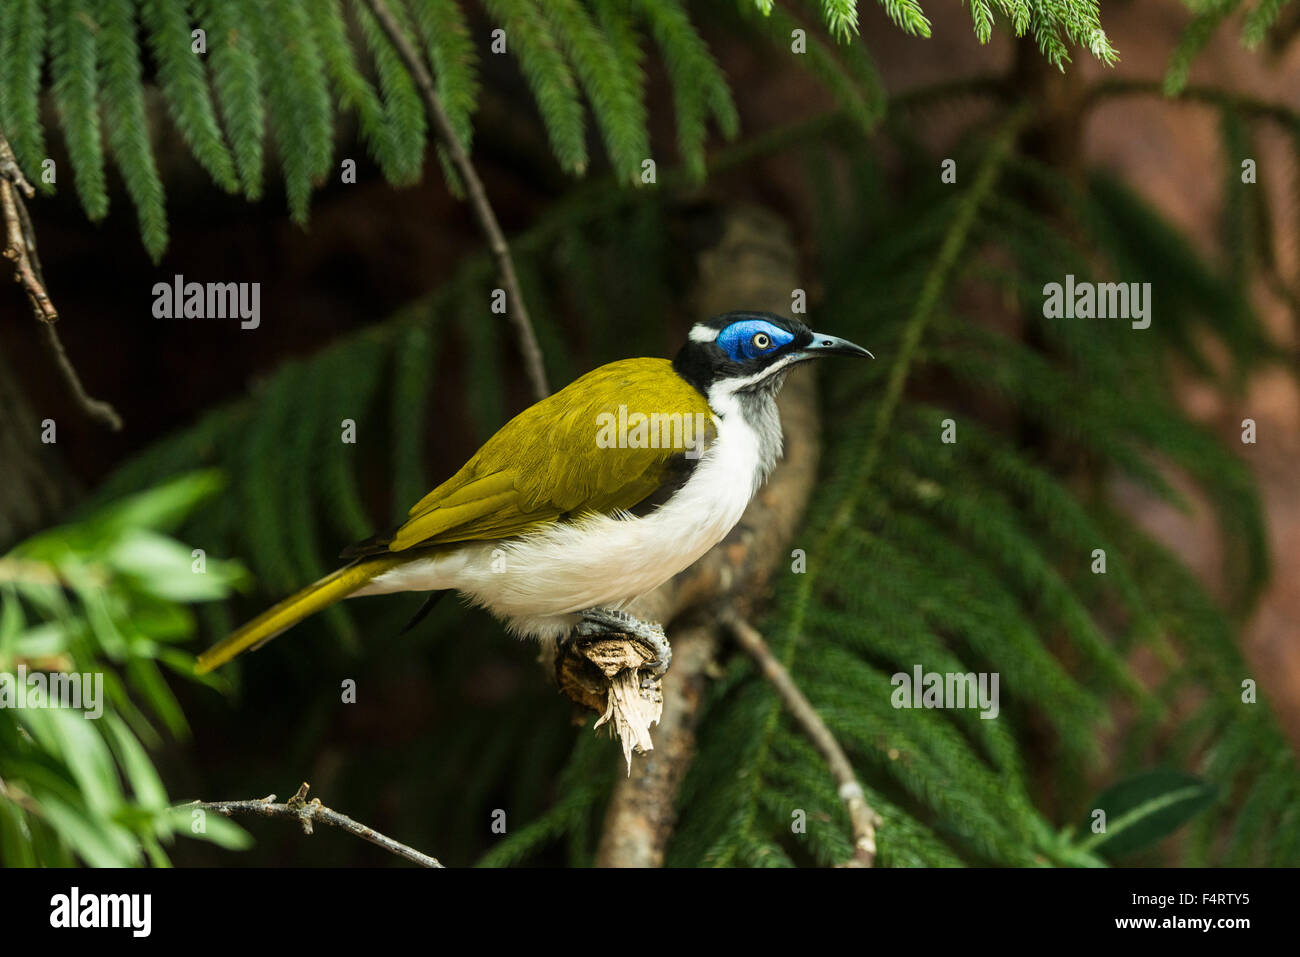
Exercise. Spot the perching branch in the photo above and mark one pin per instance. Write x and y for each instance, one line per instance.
(862, 818)
(753, 264)
(307, 813)
(20, 247)
(517, 312)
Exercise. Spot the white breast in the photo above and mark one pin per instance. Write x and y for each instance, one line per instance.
(538, 581)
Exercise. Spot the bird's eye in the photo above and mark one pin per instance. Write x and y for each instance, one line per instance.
(761, 340)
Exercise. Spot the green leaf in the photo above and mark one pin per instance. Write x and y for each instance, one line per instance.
(72, 65)
(164, 507)
(127, 127)
(22, 54)
(184, 84)
(302, 115)
(146, 786)
(164, 567)
(237, 75)
(530, 37)
(1144, 809)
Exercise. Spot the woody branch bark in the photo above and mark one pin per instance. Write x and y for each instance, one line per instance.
(20, 248)
(862, 818)
(307, 813)
(753, 266)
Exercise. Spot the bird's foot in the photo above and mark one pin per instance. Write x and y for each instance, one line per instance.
(602, 621)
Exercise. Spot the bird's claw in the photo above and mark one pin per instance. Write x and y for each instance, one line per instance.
(601, 621)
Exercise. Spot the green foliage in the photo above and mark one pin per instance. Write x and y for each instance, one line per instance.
(300, 112)
(72, 62)
(975, 556)
(450, 45)
(237, 82)
(1141, 810)
(967, 557)
(184, 83)
(699, 87)
(292, 67)
(402, 152)
(105, 598)
(1056, 25)
(22, 53)
(1207, 17)
(126, 125)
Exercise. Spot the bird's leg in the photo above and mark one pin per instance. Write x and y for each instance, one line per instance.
(602, 621)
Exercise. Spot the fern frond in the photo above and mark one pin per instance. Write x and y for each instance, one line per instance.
(1259, 21)
(406, 124)
(73, 67)
(262, 487)
(301, 114)
(1192, 42)
(414, 360)
(529, 35)
(356, 373)
(353, 91)
(485, 383)
(699, 86)
(22, 54)
(864, 103)
(122, 93)
(906, 13)
(184, 85)
(982, 19)
(452, 52)
(237, 76)
(609, 82)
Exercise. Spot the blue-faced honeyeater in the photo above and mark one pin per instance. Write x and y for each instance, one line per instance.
(590, 498)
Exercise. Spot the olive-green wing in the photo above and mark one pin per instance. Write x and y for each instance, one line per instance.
(554, 460)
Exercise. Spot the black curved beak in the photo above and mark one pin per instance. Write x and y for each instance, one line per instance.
(824, 345)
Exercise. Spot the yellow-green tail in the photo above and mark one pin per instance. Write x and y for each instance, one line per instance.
(312, 599)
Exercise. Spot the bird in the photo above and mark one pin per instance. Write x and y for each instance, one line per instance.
(591, 497)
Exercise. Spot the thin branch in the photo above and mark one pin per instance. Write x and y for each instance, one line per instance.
(307, 813)
(95, 408)
(862, 818)
(517, 312)
(754, 262)
(20, 247)
(16, 247)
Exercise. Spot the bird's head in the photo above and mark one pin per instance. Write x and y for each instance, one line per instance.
(751, 351)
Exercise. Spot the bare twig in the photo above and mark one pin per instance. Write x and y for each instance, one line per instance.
(754, 265)
(20, 247)
(642, 813)
(306, 813)
(517, 311)
(16, 246)
(862, 818)
(95, 408)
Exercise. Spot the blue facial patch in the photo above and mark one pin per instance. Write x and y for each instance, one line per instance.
(752, 339)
